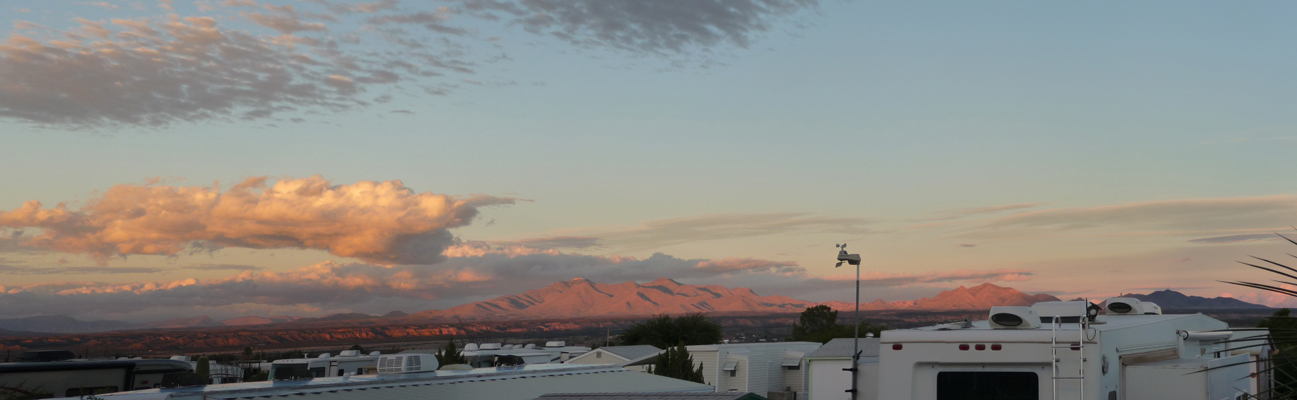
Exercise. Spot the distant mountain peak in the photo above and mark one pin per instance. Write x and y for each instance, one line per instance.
(668, 282)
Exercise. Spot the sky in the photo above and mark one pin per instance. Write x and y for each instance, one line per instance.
(246, 157)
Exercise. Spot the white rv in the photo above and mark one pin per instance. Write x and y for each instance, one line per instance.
(484, 355)
(1065, 350)
(349, 362)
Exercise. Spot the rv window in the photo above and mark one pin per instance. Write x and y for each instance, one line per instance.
(959, 385)
(317, 372)
(285, 372)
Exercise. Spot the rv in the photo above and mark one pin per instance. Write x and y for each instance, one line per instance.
(485, 355)
(348, 362)
(51, 374)
(1066, 350)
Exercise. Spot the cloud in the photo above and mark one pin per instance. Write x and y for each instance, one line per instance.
(156, 72)
(379, 222)
(1189, 214)
(244, 60)
(654, 27)
(1235, 238)
(562, 242)
(733, 264)
(971, 211)
(666, 232)
(26, 270)
(224, 267)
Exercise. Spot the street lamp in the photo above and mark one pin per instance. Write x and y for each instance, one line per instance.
(852, 259)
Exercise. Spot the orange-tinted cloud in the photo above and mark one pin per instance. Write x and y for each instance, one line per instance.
(379, 222)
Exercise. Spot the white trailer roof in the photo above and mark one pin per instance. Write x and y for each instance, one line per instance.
(982, 331)
(521, 383)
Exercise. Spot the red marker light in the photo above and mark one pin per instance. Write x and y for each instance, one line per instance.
(963, 347)
(996, 347)
(896, 346)
(981, 347)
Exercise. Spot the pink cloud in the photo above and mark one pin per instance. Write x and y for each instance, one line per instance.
(380, 222)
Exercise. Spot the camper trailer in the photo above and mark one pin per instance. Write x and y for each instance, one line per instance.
(1068, 350)
(50, 374)
(348, 362)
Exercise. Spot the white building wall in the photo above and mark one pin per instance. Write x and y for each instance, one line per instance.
(763, 360)
(827, 381)
(794, 379)
(707, 360)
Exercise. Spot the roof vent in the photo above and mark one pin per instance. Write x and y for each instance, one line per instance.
(557, 343)
(1014, 318)
(1150, 308)
(1124, 306)
(1067, 311)
(406, 363)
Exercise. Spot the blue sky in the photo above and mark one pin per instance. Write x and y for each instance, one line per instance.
(877, 118)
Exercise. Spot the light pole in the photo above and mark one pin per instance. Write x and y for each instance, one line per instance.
(853, 259)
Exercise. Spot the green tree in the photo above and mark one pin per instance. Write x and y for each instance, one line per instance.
(357, 347)
(820, 324)
(662, 331)
(676, 362)
(204, 369)
(247, 353)
(1283, 333)
(450, 355)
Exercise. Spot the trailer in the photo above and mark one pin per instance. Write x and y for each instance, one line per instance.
(348, 362)
(78, 377)
(1068, 350)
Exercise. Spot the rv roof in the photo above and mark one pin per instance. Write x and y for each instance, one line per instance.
(982, 329)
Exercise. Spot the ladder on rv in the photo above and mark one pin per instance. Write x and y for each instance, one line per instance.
(1078, 348)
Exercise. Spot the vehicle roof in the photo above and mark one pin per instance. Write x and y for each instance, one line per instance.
(525, 382)
(135, 365)
(842, 348)
(982, 329)
(632, 352)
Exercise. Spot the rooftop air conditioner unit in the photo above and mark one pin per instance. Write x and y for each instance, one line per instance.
(558, 343)
(349, 353)
(490, 346)
(406, 363)
(1123, 306)
(1151, 308)
(1014, 318)
(470, 347)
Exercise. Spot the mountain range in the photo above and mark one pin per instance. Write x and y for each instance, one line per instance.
(582, 298)
(1170, 299)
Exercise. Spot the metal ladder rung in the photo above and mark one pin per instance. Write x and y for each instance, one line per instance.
(1079, 347)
